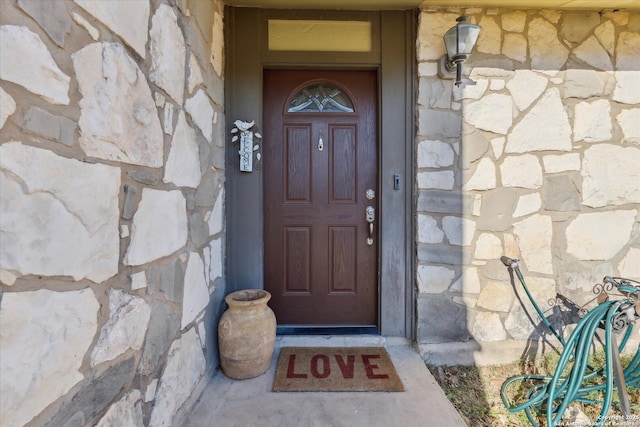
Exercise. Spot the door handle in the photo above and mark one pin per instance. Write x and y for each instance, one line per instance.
(370, 216)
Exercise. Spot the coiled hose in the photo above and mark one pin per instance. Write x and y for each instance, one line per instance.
(552, 395)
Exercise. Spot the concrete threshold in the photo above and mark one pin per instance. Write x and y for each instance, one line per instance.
(248, 403)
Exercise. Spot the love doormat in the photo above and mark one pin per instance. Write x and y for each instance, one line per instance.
(336, 369)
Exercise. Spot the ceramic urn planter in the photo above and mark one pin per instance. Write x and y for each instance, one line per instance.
(246, 334)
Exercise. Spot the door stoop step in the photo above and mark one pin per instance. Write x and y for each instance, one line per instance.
(354, 340)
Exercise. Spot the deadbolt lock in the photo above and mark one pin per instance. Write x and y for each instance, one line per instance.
(371, 214)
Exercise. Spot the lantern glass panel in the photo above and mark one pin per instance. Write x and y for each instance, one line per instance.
(467, 37)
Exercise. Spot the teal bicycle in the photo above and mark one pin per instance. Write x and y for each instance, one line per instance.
(574, 378)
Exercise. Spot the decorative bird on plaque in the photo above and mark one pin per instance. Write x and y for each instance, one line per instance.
(243, 133)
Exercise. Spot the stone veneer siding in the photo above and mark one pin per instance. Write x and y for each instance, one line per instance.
(539, 161)
(111, 209)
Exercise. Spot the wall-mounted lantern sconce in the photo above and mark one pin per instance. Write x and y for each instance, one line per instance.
(459, 41)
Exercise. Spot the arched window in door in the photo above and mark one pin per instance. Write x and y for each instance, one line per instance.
(320, 98)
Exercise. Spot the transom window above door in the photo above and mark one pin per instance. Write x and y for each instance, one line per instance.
(320, 98)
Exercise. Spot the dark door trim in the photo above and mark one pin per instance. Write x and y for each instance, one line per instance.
(393, 56)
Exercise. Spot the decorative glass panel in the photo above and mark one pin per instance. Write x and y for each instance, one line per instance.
(320, 97)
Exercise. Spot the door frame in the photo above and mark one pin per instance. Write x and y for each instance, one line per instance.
(393, 56)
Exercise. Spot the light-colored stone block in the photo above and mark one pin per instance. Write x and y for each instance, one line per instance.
(497, 84)
(185, 367)
(167, 123)
(629, 122)
(627, 89)
(125, 412)
(130, 20)
(195, 73)
(150, 392)
(138, 280)
(534, 236)
(428, 230)
(488, 246)
(439, 124)
(488, 327)
(562, 162)
(605, 33)
(628, 51)
(599, 235)
(483, 177)
(514, 21)
(44, 337)
(511, 248)
(431, 28)
(7, 107)
(201, 112)
(58, 216)
(435, 93)
(427, 69)
(610, 175)
(459, 231)
(521, 171)
(159, 226)
(434, 279)
(168, 53)
(183, 163)
(591, 52)
(525, 87)
(493, 112)
(215, 265)
(434, 154)
(118, 117)
(546, 50)
(26, 61)
(440, 180)
(216, 219)
(196, 293)
(544, 127)
(490, 37)
(592, 121)
(126, 328)
(217, 44)
(629, 267)
(515, 46)
(583, 83)
(468, 282)
(518, 324)
(496, 296)
(527, 204)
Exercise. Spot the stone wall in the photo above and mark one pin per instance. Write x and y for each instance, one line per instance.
(111, 214)
(539, 161)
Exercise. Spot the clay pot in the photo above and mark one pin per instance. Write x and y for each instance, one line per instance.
(246, 334)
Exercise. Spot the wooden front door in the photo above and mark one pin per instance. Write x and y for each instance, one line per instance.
(320, 196)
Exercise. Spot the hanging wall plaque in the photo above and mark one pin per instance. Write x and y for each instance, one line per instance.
(242, 132)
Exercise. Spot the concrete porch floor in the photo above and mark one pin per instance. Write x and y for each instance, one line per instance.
(249, 403)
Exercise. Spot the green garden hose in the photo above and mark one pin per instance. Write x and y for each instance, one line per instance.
(582, 383)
